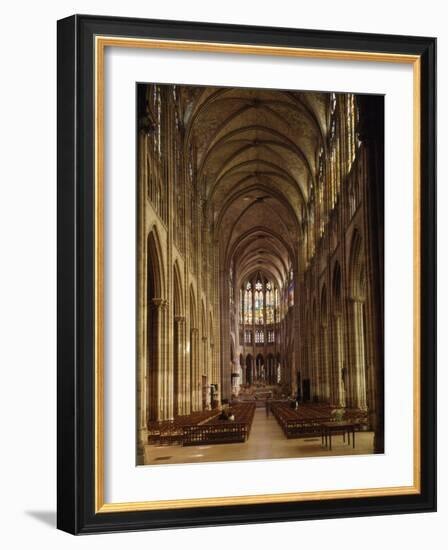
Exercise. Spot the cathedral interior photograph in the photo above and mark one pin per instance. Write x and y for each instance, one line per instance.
(260, 274)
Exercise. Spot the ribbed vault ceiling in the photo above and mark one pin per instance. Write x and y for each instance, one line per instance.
(257, 154)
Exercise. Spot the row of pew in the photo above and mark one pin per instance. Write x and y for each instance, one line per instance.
(307, 420)
(222, 431)
(170, 432)
(204, 427)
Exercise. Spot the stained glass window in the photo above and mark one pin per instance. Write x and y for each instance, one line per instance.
(271, 336)
(269, 304)
(259, 303)
(259, 337)
(291, 289)
(277, 306)
(231, 288)
(248, 304)
(248, 337)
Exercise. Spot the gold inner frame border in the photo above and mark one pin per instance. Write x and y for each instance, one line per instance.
(100, 44)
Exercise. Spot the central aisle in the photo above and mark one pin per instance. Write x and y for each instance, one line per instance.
(266, 441)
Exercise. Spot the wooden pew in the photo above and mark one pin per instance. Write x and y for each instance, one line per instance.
(222, 431)
(308, 419)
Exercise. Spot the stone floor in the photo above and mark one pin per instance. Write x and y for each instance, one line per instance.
(266, 441)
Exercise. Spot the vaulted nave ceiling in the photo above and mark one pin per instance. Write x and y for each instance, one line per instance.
(257, 154)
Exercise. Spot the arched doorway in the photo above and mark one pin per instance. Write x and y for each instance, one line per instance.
(270, 369)
(260, 374)
(249, 369)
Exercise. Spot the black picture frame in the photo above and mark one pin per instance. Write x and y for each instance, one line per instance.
(76, 286)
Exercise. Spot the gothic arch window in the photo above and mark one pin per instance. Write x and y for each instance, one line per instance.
(259, 303)
(351, 120)
(269, 303)
(179, 183)
(194, 214)
(248, 304)
(320, 192)
(277, 305)
(231, 288)
(334, 183)
(291, 288)
(155, 161)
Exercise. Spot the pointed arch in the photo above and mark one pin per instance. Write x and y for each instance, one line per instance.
(323, 305)
(358, 330)
(357, 267)
(155, 296)
(249, 369)
(336, 287)
(204, 325)
(210, 325)
(259, 367)
(193, 310)
(156, 273)
(178, 303)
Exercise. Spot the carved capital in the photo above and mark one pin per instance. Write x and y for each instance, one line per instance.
(159, 303)
(179, 319)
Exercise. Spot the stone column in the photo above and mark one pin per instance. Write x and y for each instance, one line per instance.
(358, 370)
(338, 362)
(252, 328)
(195, 383)
(167, 365)
(324, 364)
(180, 361)
(204, 370)
(236, 379)
(156, 371)
(142, 306)
(315, 387)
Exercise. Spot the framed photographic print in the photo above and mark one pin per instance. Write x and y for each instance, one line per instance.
(246, 274)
